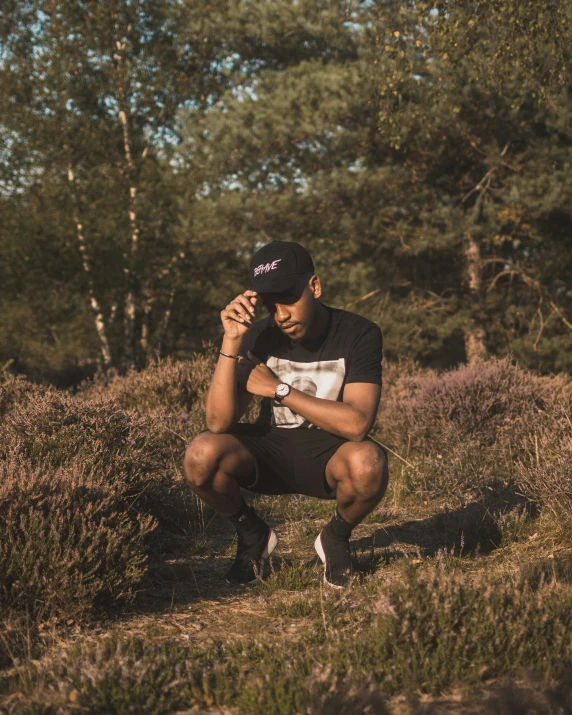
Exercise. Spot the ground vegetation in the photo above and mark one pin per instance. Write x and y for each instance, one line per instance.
(111, 573)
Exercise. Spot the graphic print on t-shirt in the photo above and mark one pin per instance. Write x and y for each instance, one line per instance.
(323, 379)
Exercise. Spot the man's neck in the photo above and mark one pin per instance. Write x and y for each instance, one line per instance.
(319, 326)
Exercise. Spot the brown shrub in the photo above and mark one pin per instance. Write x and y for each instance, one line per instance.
(446, 628)
(486, 401)
(433, 630)
(54, 430)
(168, 384)
(68, 539)
(466, 427)
(171, 396)
(83, 484)
(525, 696)
(171, 393)
(15, 389)
(546, 479)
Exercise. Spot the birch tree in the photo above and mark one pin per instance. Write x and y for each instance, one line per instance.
(92, 96)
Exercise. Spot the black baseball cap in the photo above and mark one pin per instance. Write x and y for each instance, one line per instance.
(275, 268)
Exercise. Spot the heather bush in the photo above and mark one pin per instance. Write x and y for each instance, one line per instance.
(433, 630)
(509, 697)
(15, 389)
(465, 429)
(69, 539)
(167, 384)
(171, 394)
(444, 628)
(54, 430)
(482, 400)
(546, 479)
(83, 486)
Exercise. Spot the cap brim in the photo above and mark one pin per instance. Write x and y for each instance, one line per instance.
(276, 284)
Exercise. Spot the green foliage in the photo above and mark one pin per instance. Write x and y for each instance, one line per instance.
(420, 151)
(426, 172)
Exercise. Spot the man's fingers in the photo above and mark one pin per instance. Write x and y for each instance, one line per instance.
(231, 313)
(245, 302)
(242, 306)
(239, 308)
(251, 296)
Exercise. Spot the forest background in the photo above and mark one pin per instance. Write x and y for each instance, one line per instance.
(421, 150)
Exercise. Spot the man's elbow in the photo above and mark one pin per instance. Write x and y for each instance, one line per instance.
(358, 433)
(217, 429)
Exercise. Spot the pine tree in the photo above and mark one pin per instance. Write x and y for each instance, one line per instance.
(424, 166)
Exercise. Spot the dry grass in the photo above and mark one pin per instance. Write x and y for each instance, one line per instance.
(435, 629)
(462, 603)
(476, 429)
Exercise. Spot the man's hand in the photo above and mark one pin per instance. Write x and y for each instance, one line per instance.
(238, 316)
(261, 381)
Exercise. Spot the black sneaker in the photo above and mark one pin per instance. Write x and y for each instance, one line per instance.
(251, 555)
(335, 555)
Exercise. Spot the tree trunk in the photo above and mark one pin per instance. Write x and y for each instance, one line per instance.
(130, 307)
(473, 332)
(130, 310)
(147, 304)
(96, 307)
(162, 332)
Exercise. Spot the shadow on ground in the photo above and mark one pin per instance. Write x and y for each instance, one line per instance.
(471, 529)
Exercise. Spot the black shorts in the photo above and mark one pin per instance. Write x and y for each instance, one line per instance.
(288, 461)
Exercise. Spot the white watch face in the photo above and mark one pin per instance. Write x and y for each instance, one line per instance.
(282, 389)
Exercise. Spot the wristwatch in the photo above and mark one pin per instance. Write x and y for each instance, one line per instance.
(282, 391)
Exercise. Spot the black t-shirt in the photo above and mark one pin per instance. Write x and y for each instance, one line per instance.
(350, 351)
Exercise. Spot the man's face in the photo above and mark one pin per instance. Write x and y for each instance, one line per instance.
(294, 310)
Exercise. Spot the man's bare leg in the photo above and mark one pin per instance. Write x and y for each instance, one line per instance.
(359, 475)
(212, 464)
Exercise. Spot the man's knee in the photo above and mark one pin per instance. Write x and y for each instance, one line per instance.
(367, 469)
(202, 459)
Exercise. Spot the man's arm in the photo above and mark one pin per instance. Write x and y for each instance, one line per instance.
(352, 418)
(226, 402)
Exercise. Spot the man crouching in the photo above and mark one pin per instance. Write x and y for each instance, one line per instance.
(319, 372)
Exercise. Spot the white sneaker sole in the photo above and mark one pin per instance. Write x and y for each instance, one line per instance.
(270, 546)
(322, 554)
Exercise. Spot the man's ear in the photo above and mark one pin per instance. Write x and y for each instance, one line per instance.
(315, 286)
